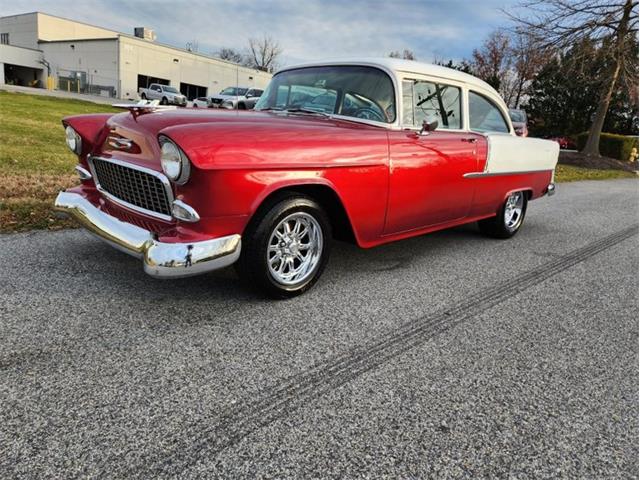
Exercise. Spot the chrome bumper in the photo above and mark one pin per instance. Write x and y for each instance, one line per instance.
(551, 189)
(159, 259)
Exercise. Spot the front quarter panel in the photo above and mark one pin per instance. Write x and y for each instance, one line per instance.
(235, 170)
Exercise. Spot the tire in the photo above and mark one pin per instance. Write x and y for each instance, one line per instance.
(194, 105)
(265, 252)
(164, 101)
(143, 96)
(509, 219)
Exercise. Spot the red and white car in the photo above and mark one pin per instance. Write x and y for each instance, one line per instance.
(370, 151)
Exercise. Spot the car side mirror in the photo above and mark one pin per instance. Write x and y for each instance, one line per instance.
(428, 127)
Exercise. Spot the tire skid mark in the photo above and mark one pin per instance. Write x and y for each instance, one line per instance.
(240, 420)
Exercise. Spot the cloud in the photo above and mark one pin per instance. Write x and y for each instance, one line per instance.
(306, 30)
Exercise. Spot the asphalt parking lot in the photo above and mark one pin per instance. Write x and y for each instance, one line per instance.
(445, 356)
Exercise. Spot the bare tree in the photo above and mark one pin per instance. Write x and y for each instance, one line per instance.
(231, 55)
(527, 60)
(612, 25)
(264, 53)
(493, 60)
(406, 54)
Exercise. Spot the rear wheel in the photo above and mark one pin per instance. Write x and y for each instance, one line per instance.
(285, 250)
(143, 96)
(510, 218)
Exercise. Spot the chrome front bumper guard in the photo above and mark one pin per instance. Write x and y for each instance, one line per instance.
(165, 260)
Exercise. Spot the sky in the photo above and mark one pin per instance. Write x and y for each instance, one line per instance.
(306, 30)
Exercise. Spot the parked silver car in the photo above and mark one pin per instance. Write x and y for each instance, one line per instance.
(242, 98)
(166, 94)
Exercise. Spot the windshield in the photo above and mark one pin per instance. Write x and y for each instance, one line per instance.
(359, 92)
(170, 89)
(234, 91)
(518, 116)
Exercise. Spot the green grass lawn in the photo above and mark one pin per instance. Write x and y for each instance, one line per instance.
(569, 173)
(35, 162)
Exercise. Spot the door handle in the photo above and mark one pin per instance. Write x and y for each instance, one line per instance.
(470, 140)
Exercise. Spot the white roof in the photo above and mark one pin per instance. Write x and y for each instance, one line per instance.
(398, 68)
(406, 66)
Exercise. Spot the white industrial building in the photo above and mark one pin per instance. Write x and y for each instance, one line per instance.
(88, 59)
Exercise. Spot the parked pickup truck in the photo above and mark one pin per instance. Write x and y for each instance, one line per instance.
(166, 94)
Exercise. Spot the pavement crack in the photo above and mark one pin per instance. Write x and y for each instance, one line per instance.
(246, 417)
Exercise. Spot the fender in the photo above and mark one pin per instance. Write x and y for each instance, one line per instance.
(90, 127)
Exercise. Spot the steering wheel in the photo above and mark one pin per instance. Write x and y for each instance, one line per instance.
(368, 113)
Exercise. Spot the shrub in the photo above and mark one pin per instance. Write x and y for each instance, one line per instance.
(612, 145)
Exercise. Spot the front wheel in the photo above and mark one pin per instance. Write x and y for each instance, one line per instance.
(286, 249)
(164, 101)
(510, 218)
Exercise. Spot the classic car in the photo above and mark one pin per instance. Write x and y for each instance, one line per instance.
(368, 151)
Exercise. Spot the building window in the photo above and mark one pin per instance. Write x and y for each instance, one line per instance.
(192, 91)
(144, 81)
(4, 38)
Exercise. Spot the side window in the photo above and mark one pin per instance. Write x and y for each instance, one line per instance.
(485, 116)
(430, 101)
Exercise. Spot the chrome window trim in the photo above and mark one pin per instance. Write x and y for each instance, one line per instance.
(440, 81)
(505, 115)
(119, 201)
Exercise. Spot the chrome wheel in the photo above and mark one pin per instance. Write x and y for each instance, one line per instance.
(295, 248)
(513, 210)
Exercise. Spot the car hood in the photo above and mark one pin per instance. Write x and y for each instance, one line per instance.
(246, 138)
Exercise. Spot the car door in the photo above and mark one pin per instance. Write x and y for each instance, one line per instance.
(426, 181)
(155, 92)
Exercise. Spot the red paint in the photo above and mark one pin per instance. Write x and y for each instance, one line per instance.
(393, 184)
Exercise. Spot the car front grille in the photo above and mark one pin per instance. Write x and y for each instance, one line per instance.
(139, 188)
(216, 100)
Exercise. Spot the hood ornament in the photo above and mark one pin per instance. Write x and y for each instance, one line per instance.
(143, 106)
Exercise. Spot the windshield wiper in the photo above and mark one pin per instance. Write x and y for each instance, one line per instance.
(306, 110)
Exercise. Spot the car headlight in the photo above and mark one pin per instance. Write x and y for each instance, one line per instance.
(74, 142)
(175, 164)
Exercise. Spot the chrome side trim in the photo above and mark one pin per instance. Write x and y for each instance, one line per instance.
(83, 173)
(160, 259)
(119, 201)
(500, 174)
(120, 143)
